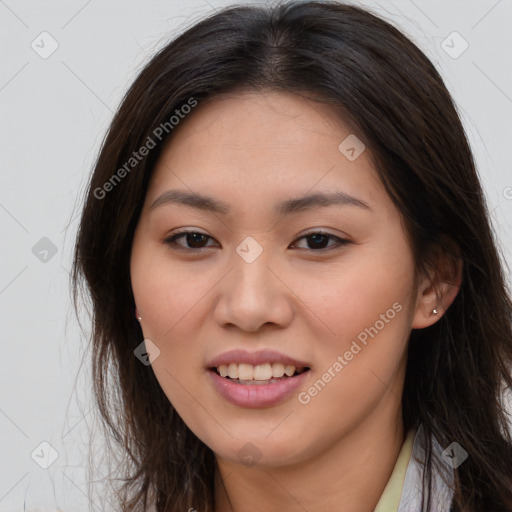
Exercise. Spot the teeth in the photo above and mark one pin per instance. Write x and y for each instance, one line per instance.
(245, 371)
(233, 371)
(289, 370)
(265, 371)
(277, 370)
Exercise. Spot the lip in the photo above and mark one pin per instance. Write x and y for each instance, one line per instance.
(257, 395)
(255, 358)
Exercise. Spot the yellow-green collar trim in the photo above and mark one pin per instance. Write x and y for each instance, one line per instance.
(390, 499)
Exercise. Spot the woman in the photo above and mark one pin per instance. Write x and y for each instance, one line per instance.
(286, 210)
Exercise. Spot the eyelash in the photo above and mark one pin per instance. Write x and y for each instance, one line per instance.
(171, 241)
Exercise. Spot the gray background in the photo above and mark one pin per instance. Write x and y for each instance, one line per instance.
(54, 113)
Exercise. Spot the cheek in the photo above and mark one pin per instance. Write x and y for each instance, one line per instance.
(372, 289)
(166, 296)
(367, 306)
(164, 299)
(170, 300)
(165, 302)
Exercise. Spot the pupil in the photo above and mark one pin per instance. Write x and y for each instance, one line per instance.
(317, 239)
(195, 238)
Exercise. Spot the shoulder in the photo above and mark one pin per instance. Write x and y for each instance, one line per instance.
(412, 492)
(411, 499)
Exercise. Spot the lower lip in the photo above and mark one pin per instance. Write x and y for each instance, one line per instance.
(257, 395)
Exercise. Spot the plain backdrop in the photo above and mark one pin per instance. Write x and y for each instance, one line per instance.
(54, 112)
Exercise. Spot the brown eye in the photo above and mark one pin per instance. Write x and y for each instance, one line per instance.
(318, 241)
(194, 240)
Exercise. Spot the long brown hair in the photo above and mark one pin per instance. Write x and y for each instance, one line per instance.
(393, 97)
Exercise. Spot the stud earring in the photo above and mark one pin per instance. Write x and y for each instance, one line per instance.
(139, 318)
(434, 311)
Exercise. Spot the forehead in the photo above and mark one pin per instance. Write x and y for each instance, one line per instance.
(269, 142)
(272, 120)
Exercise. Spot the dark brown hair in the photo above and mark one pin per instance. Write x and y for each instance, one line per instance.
(391, 95)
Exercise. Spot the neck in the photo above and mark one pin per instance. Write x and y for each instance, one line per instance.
(348, 477)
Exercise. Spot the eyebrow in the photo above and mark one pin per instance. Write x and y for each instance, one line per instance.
(300, 204)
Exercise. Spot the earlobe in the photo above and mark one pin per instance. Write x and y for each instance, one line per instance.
(426, 315)
(435, 295)
(137, 316)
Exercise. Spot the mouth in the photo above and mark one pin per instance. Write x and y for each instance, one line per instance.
(261, 389)
(249, 375)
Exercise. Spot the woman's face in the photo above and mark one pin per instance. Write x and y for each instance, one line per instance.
(255, 277)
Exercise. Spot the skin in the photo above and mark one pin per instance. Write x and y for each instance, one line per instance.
(252, 150)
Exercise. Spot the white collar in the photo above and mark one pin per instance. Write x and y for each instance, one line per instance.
(412, 493)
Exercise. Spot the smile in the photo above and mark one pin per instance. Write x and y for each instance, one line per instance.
(257, 393)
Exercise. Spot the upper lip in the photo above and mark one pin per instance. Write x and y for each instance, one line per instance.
(255, 358)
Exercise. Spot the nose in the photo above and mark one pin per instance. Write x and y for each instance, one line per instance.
(253, 295)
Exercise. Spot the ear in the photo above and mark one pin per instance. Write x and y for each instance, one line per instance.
(437, 290)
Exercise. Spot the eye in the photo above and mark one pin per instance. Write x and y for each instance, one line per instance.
(318, 239)
(195, 240)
